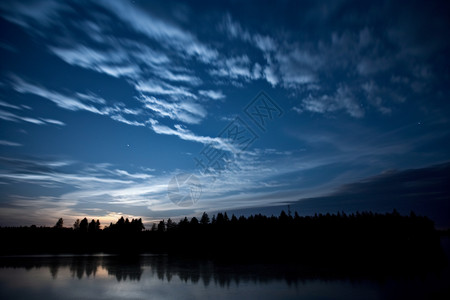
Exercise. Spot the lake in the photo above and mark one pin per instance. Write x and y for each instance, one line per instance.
(163, 277)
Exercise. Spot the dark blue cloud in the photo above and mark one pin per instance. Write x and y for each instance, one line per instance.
(422, 190)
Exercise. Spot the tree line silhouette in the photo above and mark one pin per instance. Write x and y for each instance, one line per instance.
(122, 225)
(324, 239)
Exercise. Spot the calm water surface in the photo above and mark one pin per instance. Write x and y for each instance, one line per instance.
(163, 277)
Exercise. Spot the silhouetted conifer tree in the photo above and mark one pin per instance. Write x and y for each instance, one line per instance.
(194, 221)
(76, 225)
(170, 225)
(59, 224)
(84, 225)
(162, 226)
(93, 226)
(204, 219)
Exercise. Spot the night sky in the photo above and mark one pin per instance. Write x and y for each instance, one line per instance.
(327, 106)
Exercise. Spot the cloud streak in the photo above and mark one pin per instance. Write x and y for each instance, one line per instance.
(187, 135)
(60, 100)
(185, 111)
(8, 116)
(9, 143)
(343, 99)
(154, 28)
(215, 95)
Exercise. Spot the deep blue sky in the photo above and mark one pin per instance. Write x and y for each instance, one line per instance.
(103, 102)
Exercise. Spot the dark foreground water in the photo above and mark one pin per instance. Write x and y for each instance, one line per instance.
(164, 277)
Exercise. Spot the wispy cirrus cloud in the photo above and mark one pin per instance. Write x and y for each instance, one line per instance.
(188, 112)
(122, 119)
(296, 63)
(112, 63)
(264, 177)
(9, 143)
(182, 76)
(118, 57)
(66, 102)
(185, 111)
(12, 117)
(8, 116)
(55, 122)
(326, 62)
(235, 68)
(343, 99)
(156, 29)
(285, 63)
(215, 95)
(8, 105)
(112, 191)
(235, 30)
(188, 135)
(76, 189)
(297, 67)
(30, 13)
(162, 88)
(78, 101)
(58, 173)
(147, 66)
(134, 175)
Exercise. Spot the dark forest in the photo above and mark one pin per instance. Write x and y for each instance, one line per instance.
(357, 242)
